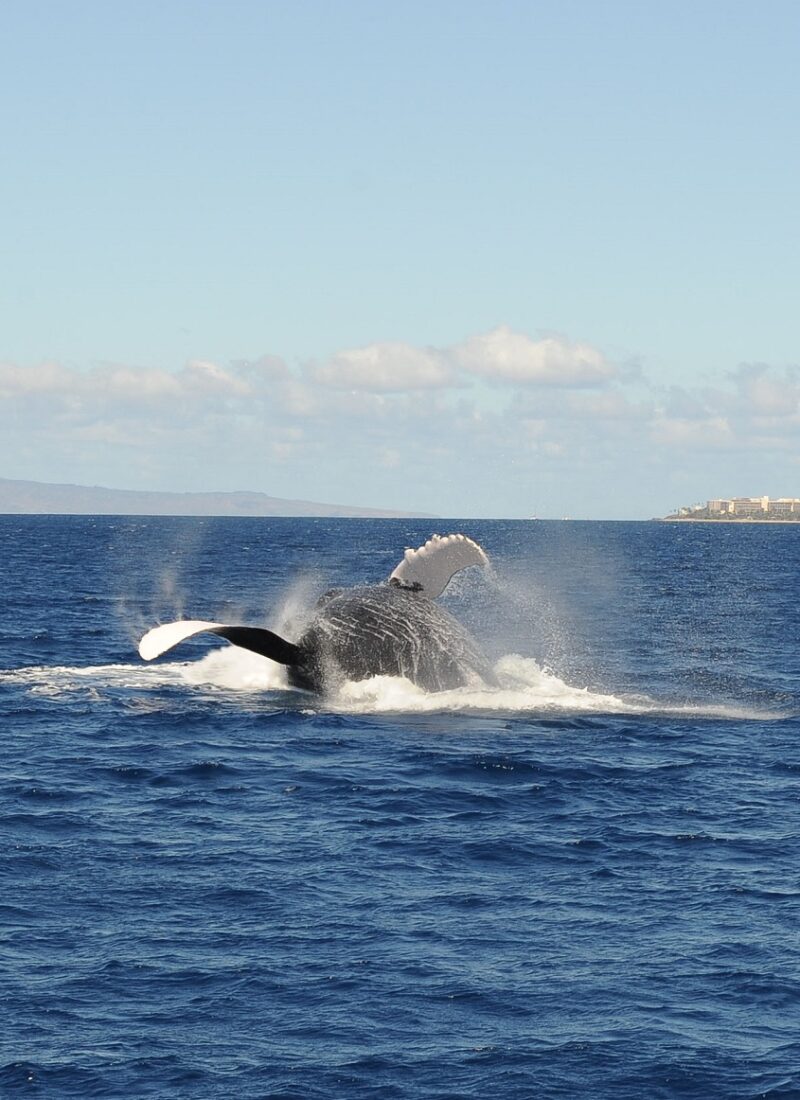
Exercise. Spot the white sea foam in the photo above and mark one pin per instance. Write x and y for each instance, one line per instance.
(524, 687)
(63, 679)
(228, 668)
(235, 669)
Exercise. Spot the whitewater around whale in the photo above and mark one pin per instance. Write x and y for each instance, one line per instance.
(391, 629)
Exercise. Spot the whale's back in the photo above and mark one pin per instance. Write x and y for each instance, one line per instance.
(390, 631)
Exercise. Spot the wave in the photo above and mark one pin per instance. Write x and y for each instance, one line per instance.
(525, 687)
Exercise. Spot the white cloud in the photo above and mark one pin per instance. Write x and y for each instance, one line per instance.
(385, 367)
(282, 450)
(607, 405)
(765, 395)
(507, 356)
(758, 412)
(42, 379)
(203, 375)
(681, 404)
(712, 433)
(266, 370)
(391, 458)
(553, 450)
(119, 383)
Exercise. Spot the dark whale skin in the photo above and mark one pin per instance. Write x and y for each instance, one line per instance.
(387, 630)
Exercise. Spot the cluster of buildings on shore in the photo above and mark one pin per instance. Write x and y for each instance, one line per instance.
(787, 508)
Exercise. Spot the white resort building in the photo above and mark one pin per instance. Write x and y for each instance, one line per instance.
(744, 508)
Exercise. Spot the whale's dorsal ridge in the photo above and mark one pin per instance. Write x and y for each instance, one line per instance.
(430, 567)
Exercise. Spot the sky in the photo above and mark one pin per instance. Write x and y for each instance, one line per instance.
(483, 258)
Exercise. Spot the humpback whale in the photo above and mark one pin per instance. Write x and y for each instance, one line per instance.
(390, 629)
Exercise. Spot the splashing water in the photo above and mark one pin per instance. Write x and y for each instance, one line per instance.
(524, 687)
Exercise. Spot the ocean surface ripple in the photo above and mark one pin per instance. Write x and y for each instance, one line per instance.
(583, 882)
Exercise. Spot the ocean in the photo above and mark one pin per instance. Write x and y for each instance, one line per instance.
(584, 882)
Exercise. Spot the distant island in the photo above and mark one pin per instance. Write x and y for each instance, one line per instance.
(40, 498)
(742, 509)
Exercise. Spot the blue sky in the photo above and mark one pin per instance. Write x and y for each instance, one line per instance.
(490, 259)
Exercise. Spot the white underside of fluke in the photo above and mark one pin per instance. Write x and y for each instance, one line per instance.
(161, 638)
(432, 565)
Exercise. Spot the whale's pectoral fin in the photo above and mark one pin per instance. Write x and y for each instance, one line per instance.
(161, 638)
(430, 567)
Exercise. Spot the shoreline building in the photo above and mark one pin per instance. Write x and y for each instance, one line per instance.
(745, 508)
(757, 507)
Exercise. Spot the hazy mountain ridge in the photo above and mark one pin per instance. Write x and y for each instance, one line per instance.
(36, 497)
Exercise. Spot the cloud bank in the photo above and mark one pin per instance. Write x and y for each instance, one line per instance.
(494, 424)
(501, 356)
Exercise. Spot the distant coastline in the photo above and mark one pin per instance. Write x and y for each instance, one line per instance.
(788, 522)
(43, 498)
(740, 510)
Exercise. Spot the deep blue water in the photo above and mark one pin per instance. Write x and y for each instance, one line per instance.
(585, 883)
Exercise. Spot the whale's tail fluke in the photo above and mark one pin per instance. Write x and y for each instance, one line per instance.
(257, 640)
(431, 567)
